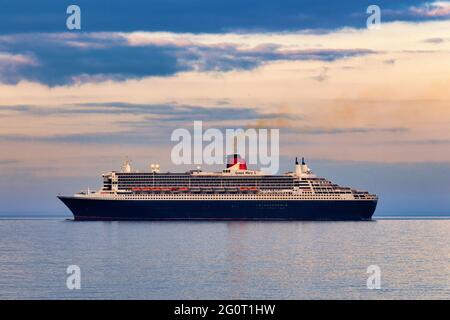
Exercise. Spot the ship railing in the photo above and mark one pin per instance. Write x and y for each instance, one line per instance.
(194, 189)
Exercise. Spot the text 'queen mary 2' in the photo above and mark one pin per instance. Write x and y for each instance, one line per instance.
(236, 193)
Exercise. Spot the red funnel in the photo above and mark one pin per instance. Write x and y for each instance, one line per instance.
(235, 158)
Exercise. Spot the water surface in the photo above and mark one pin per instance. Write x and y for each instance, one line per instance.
(225, 260)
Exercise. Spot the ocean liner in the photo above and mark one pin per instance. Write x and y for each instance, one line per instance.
(236, 193)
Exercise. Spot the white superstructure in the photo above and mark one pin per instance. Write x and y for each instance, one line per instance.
(235, 182)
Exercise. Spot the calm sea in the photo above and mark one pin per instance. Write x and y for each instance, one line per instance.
(225, 260)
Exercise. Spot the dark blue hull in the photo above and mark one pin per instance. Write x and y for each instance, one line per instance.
(90, 209)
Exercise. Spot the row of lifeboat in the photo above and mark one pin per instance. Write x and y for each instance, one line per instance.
(196, 189)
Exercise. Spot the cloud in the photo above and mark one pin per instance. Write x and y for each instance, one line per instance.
(11, 63)
(15, 59)
(199, 16)
(432, 9)
(155, 122)
(231, 57)
(422, 142)
(135, 123)
(436, 40)
(113, 137)
(59, 62)
(152, 131)
(61, 59)
(322, 76)
(5, 162)
(389, 61)
(422, 11)
(321, 131)
(166, 112)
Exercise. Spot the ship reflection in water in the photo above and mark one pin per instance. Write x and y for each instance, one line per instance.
(225, 260)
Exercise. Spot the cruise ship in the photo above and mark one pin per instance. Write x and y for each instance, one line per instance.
(235, 193)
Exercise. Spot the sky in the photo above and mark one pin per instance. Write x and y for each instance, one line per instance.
(369, 108)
